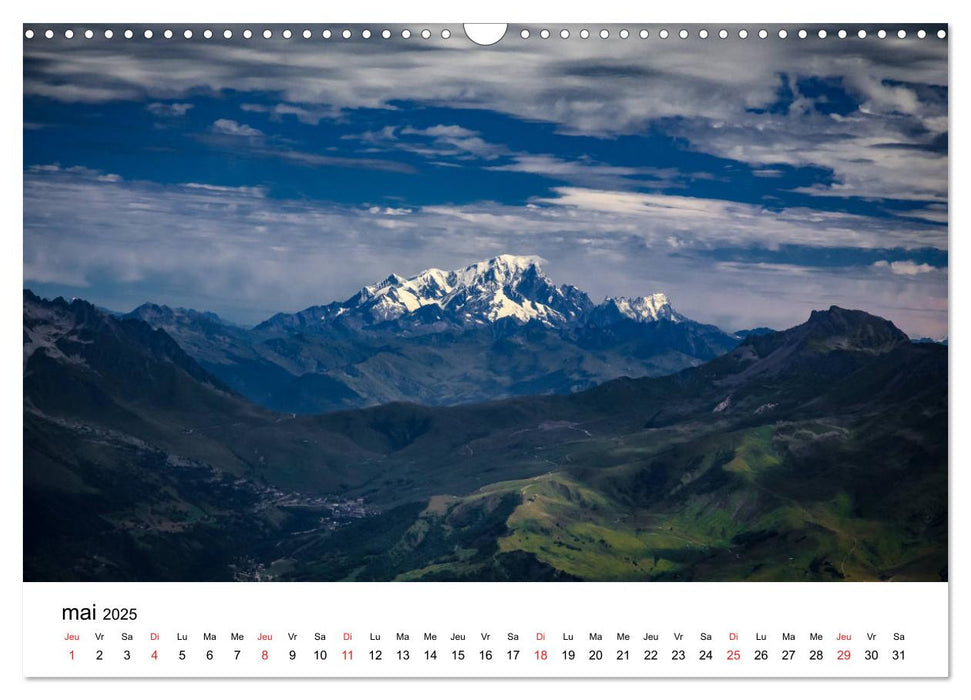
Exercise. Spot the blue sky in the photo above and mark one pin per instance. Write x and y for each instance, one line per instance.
(750, 180)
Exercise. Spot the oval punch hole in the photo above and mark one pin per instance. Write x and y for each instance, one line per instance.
(486, 34)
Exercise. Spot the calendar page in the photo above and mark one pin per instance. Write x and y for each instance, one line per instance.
(485, 351)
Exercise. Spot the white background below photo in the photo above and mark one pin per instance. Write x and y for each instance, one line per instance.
(819, 11)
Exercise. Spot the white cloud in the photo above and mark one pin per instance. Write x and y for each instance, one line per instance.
(78, 170)
(444, 131)
(389, 211)
(869, 156)
(440, 141)
(248, 191)
(587, 172)
(699, 222)
(234, 128)
(905, 267)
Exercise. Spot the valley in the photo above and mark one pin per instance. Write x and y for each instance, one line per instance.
(816, 453)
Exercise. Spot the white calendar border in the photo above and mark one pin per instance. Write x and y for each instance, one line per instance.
(496, 10)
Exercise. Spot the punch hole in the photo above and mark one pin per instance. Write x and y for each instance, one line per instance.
(485, 34)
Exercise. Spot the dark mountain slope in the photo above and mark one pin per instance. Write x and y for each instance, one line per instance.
(818, 452)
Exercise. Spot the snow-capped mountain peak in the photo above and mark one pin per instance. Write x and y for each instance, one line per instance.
(655, 307)
(647, 309)
(484, 292)
(512, 287)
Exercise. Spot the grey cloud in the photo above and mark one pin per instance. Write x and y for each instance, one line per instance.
(174, 109)
(243, 140)
(584, 87)
(454, 141)
(245, 255)
(312, 114)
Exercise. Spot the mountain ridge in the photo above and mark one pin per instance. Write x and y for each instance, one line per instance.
(772, 462)
(495, 328)
(506, 286)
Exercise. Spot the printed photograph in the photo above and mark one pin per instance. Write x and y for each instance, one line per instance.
(354, 303)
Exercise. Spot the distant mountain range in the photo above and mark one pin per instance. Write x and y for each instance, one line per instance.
(494, 329)
(815, 453)
(485, 293)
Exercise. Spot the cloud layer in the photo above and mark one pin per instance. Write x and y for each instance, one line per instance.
(235, 251)
(751, 180)
(584, 87)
